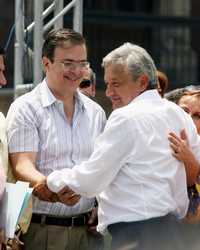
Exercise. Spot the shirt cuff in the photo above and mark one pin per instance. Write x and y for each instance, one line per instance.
(55, 181)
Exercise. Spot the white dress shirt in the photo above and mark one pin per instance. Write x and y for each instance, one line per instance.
(132, 170)
(36, 122)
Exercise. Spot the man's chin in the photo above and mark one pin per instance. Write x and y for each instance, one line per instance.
(72, 84)
(116, 105)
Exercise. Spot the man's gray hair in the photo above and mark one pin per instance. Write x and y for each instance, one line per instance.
(137, 60)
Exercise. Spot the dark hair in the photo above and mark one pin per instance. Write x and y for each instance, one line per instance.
(58, 38)
(163, 82)
(175, 95)
(2, 51)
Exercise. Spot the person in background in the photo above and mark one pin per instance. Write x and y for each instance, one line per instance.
(189, 101)
(88, 84)
(139, 185)
(179, 143)
(182, 150)
(3, 80)
(3, 141)
(54, 127)
(175, 94)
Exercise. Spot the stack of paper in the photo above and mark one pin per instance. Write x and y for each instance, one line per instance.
(15, 200)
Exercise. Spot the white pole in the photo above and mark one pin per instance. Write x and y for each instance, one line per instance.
(38, 41)
(19, 44)
(78, 16)
(51, 23)
(44, 14)
(58, 8)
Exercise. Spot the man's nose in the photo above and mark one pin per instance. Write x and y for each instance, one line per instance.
(109, 91)
(3, 80)
(77, 71)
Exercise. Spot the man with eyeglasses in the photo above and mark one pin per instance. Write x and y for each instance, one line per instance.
(88, 84)
(50, 128)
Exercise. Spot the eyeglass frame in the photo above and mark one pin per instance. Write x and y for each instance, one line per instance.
(73, 64)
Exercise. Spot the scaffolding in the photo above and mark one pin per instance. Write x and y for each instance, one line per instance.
(38, 28)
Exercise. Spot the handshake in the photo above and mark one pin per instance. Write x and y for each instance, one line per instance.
(66, 196)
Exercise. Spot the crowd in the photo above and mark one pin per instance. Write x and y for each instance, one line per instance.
(131, 176)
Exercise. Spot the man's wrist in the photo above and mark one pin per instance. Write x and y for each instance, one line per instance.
(39, 180)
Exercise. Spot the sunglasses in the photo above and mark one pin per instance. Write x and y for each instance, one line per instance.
(85, 83)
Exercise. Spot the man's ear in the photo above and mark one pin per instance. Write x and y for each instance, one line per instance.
(45, 62)
(143, 82)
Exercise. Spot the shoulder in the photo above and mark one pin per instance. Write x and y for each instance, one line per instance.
(120, 117)
(123, 113)
(27, 102)
(25, 108)
(176, 111)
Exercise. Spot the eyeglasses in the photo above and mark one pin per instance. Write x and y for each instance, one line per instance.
(70, 65)
(85, 83)
(196, 116)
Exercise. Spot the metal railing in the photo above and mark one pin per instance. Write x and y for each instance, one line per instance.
(39, 28)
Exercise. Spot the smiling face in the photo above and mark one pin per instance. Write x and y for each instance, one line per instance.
(191, 104)
(121, 89)
(66, 70)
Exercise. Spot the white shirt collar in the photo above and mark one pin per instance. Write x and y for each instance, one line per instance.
(48, 98)
(148, 94)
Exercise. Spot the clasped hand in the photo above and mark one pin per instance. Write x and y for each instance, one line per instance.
(66, 195)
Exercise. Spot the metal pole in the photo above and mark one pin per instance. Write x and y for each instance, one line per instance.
(44, 14)
(78, 16)
(19, 43)
(38, 40)
(51, 23)
(58, 8)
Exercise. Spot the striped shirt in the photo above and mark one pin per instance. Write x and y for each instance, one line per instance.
(36, 122)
